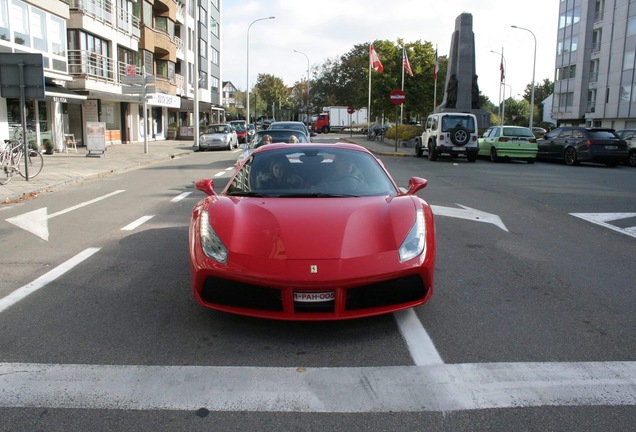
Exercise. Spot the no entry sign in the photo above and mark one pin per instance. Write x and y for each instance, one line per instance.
(397, 97)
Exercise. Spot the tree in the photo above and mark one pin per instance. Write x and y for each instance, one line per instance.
(541, 91)
(272, 91)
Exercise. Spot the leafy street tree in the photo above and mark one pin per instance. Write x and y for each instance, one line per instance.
(541, 92)
(272, 91)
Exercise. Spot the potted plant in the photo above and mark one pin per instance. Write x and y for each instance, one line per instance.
(173, 128)
(48, 146)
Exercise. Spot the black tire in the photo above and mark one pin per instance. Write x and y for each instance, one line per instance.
(325, 129)
(570, 156)
(530, 161)
(432, 153)
(631, 158)
(418, 150)
(472, 156)
(459, 136)
(493, 155)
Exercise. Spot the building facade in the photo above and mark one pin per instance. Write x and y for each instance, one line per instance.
(595, 80)
(103, 56)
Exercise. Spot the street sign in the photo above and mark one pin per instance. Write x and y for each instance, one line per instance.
(132, 80)
(350, 109)
(397, 97)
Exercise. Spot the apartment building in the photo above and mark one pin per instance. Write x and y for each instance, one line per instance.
(595, 81)
(98, 55)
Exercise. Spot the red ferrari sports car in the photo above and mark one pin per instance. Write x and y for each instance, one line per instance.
(312, 232)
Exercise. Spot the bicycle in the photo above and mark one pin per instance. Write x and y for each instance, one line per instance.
(11, 161)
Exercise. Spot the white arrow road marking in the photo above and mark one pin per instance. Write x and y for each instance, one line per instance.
(49, 276)
(602, 219)
(470, 214)
(36, 221)
(438, 388)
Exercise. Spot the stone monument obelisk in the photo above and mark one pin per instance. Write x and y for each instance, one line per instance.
(461, 90)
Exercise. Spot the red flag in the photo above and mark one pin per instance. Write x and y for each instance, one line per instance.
(407, 65)
(436, 67)
(501, 68)
(375, 60)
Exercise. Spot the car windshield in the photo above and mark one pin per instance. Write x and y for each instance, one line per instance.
(450, 122)
(295, 126)
(277, 136)
(517, 132)
(217, 129)
(239, 127)
(602, 134)
(311, 172)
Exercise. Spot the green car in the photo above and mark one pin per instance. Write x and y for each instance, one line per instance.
(508, 142)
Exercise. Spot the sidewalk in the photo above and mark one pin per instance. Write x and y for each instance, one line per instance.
(62, 169)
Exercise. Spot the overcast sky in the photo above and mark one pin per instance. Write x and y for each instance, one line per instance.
(324, 29)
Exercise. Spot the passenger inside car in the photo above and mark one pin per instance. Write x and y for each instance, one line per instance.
(281, 175)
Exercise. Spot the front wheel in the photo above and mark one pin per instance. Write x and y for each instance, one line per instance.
(35, 161)
(631, 159)
(570, 156)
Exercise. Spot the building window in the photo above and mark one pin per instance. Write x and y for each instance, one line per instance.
(628, 60)
(90, 55)
(564, 101)
(570, 17)
(631, 26)
(215, 56)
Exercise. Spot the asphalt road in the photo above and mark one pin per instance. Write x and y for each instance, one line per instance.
(531, 326)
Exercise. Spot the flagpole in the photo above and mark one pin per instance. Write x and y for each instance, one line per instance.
(369, 105)
(402, 105)
(435, 81)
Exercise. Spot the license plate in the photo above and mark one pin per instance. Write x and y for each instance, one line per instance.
(611, 147)
(312, 297)
(460, 149)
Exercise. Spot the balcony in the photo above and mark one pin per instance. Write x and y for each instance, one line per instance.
(86, 64)
(103, 12)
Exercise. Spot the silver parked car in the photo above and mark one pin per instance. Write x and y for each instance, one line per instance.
(218, 136)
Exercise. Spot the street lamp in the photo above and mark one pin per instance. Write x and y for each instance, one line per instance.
(501, 83)
(307, 119)
(534, 65)
(248, 64)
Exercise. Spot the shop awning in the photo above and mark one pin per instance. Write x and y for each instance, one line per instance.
(187, 104)
(61, 94)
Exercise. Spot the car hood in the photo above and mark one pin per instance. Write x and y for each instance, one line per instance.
(312, 228)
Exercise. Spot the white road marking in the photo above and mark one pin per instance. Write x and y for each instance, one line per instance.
(131, 226)
(441, 388)
(421, 346)
(49, 276)
(180, 197)
(603, 220)
(36, 221)
(469, 214)
(219, 174)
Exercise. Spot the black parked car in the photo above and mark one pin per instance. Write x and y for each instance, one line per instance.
(575, 144)
(629, 135)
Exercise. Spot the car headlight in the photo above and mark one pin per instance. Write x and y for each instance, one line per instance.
(413, 244)
(211, 244)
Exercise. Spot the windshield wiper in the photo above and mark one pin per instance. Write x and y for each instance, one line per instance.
(318, 195)
(248, 194)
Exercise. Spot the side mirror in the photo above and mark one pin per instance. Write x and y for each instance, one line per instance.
(415, 184)
(206, 186)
